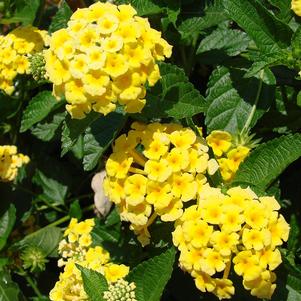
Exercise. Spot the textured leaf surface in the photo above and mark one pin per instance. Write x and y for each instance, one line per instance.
(7, 221)
(269, 33)
(144, 7)
(98, 137)
(61, 18)
(46, 238)
(73, 128)
(38, 108)
(47, 129)
(232, 42)
(174, 96)
(230, 99)
(152, 275)
(269, 160)
(9, 290)
(53, 190)
(95, 284)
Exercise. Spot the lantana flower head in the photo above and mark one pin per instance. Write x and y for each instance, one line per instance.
(105, 56)
(296, 7)
(15, 49)
(236, 229)
(153, 171)
(10, 162)
(75, 249)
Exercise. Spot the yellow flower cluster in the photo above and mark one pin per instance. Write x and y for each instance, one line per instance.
(237, 227)
(229, 155)
(153, 170)
(10, 162)
(296, 7)
(106, 55)
(15, 49)
(76, 249)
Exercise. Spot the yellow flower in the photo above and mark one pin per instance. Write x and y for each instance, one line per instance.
(184, 186)
(158, 195)
(269, 257)
(203, 282)
(255, 216)
(118, 165)
(183, 139)
(247, 265)
(256, 239)
(158, 170)
(224, 242)
(224, 289)
(112, 44)
(113, 272)
(212, 262)
(220, 141)
(279, 229)
(135, 189)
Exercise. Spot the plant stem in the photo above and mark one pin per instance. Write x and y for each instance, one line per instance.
(32, 284)
(253, 110)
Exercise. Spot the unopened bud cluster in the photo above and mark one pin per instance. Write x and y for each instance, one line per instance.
(121, 290)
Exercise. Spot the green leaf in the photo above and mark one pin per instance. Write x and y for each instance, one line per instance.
(268, 161)
(25, 12)
(232, 42)
(294, 236)
(9, 290)
(101, 234)
(61, 18)
(152, 275)
(269, 33)
(8, 106)
(75, 210)
(7, 221)
(191, 27)
(173, 96)
(73, 128)
(48, 129)
(231, 99)
(95, 284)
(38, 108)
(46, 238)
(54, 191)
(294, 288)
(283, 9)
(98, 137)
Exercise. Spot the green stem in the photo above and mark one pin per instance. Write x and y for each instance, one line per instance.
(253, 110)
(84, 196)
(31, 283)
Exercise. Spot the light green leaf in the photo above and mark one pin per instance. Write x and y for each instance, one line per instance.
(95, 284)
(173, 96)
(38, 108)
(53, 190)
(232, 42)
(231, 99)
(268, 161)
(294, 288)
(73, 128)
(9, 290)
(47, 129)
(98, 137)
(269, 33)
(61, 18)
(152, 275)
(75, 210)
(7, 221)
(46, 238)
(25, 12)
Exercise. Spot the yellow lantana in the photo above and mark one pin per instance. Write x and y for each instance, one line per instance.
(152, 171)
(236, 228)
(15, 49)
(105, 56)
(296, 7)
(10, 162)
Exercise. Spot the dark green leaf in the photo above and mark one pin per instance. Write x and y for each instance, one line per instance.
(75, 210)
(101, 234)
(98, 137)
(47, 129)
(95, 284)
(53, 190)
(174, 96)
(152, 275)
(9, 290)
(46, 238)
(61, 18)
(231, 99)
(73, 128)
(268, 161)
(231, 42)
(269, 33)
(144, 7)
(38, 108)
(294, 236)
(8, 106)
(7, 221)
